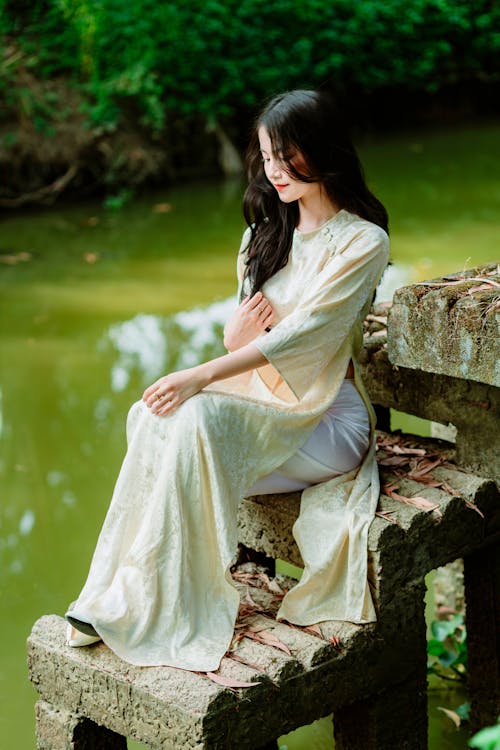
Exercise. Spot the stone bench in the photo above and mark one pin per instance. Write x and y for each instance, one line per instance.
(373, 677)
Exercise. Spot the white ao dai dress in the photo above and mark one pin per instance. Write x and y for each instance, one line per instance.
(159, 590)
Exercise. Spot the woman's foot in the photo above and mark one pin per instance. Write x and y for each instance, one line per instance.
(83, 627)
(79, 633)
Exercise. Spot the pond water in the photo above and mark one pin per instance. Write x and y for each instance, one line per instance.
(95, 305)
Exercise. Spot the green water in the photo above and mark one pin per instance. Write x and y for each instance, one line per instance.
(100, 304)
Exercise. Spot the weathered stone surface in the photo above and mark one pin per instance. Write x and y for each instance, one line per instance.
(164, 707)
(474, 408)
(449, 326)
(58, 729)
(269, 532)
(150, 704)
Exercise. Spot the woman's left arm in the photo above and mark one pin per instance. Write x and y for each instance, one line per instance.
(169, 391)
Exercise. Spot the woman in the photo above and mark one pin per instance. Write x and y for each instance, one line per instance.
(284, 409)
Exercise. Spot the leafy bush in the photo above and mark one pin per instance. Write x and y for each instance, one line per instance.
(145, 58)
(447, 650)
(487, 738)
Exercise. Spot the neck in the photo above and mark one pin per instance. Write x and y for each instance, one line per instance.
(315, 210)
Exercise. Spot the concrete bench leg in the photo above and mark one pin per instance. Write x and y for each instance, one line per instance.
(394, 720)
(482, 614)
(59, 729)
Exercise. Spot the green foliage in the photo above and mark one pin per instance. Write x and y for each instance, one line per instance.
(119, 200)
(463, 711)
(447, 650)
(49, 43)
(487, 738)
(147, 58)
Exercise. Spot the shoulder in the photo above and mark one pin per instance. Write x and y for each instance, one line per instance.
(356, 226)
(360, 232)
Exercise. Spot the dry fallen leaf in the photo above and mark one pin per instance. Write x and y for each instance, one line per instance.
(377, 319)
(424, 467)
(250, 601)
(408, 451)
(442, 610)
(275, 588)
(12, 260)
(451, 715)
(162, 208)
(419, 502)
(229, 682)
(484, 280)
(473, 507)
(438, 284)
(267, 638)
(238, 658)
(393, 461)
(313, 630)
(481, 288)
(385, 514)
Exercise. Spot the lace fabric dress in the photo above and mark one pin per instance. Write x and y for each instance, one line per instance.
(159, 590)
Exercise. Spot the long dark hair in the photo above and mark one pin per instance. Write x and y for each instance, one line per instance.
(309, 122)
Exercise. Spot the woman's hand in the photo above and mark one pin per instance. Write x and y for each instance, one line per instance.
(248, 321)
(169, 391)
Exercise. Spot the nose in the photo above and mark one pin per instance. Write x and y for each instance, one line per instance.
(275, 168)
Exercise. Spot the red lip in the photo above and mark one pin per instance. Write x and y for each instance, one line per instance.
(280, 187)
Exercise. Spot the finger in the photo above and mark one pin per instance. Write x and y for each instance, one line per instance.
(149, 391)
(153, 398)
(157, 401)
(263, 308)
(256, 302)
(262, 311)
(169, 406)
(268, 318)
(257, 297)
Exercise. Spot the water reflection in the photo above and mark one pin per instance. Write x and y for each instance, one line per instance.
(27, 522)
(141, 343)
(152, 344)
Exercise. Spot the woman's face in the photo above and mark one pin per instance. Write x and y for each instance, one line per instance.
(288, 187)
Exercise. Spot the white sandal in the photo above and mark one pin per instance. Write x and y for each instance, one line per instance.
(75, 638)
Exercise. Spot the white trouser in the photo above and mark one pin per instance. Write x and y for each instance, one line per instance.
(336, 446)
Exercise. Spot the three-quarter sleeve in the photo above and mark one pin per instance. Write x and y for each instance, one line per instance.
(302, 344)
